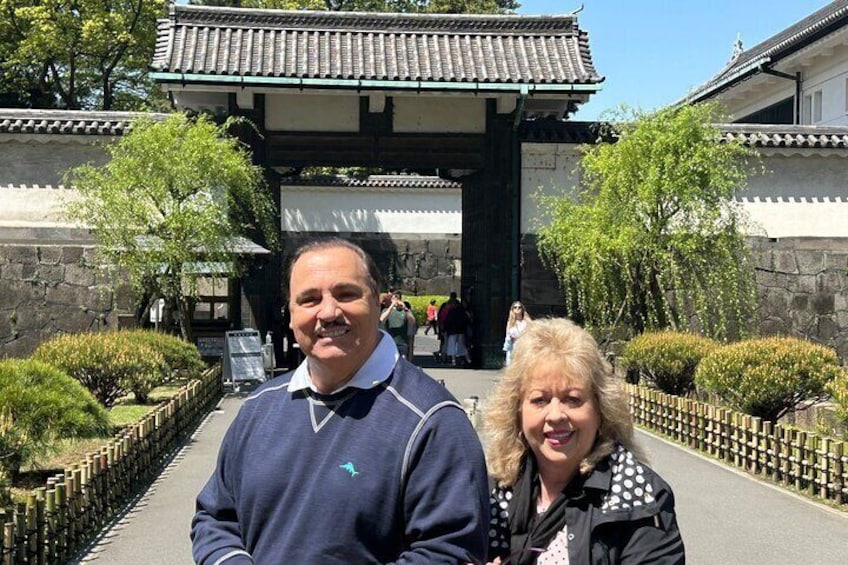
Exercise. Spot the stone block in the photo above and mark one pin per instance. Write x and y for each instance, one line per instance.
(803, 283)
(763, 259)
(72, 254)
(30, 319)
(29, 271)
(776, 302)
(16, 292)
(50, 274)
(774, 326)
(6, 326)
(75, 320)
(822, 303)
(49, 254)
(77, 275)
(65, 295)
(810, 262)
(12, 272)
(417, 247)
(99, 299)
(803, 321)
(785, 262)
(23, 254)
(21, 346)
(832, 280)
(799, 302)
(827, 330)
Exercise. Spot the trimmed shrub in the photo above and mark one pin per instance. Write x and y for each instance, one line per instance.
(38, 405)
(838, 391)
(768, 377)
(182, 359)
(108, 364)
(667, 359)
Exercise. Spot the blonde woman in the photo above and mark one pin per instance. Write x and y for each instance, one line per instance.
(571, 486)
(515, 324)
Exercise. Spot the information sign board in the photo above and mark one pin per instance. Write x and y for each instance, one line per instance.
(243, 356)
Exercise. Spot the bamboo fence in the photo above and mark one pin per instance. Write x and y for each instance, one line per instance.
(804, 461)
(59, 519)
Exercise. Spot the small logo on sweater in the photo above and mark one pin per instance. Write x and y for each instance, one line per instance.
(349, 468)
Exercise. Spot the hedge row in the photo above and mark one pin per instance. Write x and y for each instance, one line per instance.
(765, 377)
(62, 391)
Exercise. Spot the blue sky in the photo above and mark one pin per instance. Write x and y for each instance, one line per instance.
(652, 52)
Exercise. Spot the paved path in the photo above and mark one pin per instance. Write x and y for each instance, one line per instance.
(726, 517)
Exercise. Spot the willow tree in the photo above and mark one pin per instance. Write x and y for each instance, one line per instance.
(653, 238)
(174, 193)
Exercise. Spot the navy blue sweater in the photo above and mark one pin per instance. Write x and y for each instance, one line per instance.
(390, 474)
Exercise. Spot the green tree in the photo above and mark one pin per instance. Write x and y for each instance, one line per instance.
(174, 193)
(653, 236)
(89, 54)
(40, 404)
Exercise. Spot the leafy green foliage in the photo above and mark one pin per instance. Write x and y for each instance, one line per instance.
(38, 405)
(668, 359)
(108, 364)
(419, 305)
(653, 237)
(174, 193)
(838, 391)
(768, 377)
(182, 359)
(90, 54)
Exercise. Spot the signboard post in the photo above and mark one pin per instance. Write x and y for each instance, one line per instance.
(243, 357)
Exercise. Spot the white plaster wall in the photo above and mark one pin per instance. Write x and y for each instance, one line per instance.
(35, 207)
(423, 114)
(548, 169)
(29, 163)
(357, 209)
(828, 75)
(798, 196)
(312, 112)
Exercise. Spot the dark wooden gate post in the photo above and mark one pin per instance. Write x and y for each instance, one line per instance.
(488, 238)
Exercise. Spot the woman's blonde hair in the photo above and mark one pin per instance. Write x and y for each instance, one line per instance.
(564, 343)
(511, 321)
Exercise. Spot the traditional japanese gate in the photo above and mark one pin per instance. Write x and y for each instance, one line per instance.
(412, 91)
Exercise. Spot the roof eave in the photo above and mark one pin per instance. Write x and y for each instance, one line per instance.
(373, 84)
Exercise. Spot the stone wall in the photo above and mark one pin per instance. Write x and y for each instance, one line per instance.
(46, 289)
(418, 264)
(802, 283)
(803, 289)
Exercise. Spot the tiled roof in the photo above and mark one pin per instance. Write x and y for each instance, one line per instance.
(815, 26)
(72, 122)
(204, 41)
(787, 136)
(374, 182)
(557, 131)
(752, 135)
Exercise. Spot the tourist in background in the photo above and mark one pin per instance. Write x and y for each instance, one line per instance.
(411, 329)
(432, 312)
(570, 484)
(393, 321)
(515, 324)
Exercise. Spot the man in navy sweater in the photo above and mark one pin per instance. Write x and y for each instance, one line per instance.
(356, 456)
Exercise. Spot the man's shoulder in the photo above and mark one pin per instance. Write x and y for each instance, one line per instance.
(270, 391)
(417, 387)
